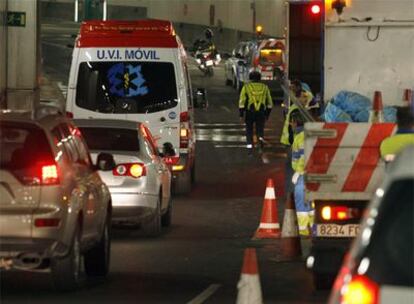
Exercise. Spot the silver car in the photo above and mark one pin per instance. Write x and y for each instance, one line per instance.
(54, 206)
(140, 183)
(379, 267)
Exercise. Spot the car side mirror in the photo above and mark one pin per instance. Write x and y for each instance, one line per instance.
(200, 98)
(105, 162)
(168, 150)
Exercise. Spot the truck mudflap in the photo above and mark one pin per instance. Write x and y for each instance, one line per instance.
(326, 255)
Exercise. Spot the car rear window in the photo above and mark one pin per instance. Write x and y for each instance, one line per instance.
(110, 139)
(391, 249)
(126, 87)
(23, 146)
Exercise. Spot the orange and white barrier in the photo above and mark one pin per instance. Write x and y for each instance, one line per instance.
(249, 289)
(344, 158)
(269, 224)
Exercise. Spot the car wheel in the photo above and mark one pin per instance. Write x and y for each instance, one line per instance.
(166, 218)
(182, 184)
(322, 281)
(96, 260)
(153, 226)
(66, 271)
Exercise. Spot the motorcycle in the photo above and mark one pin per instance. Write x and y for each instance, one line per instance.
(206, 61)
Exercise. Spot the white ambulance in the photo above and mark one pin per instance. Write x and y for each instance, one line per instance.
(137, 70)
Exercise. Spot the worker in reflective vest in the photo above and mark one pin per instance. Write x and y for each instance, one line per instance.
(255, 104)
(404, 136)
(304, 210)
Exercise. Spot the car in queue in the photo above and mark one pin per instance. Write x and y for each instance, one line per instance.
(379, 268)
(232, 65)
(54, 206)
(140, 183)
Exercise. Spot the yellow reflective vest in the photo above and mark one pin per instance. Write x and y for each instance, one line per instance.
(298, 152)
(255, 95)
(394, 144)
(284, 139)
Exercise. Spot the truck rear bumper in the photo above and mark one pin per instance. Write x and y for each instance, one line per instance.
(328, 254)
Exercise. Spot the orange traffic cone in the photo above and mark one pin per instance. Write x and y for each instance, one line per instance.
(376, 114)
(407, 96)
(291, 246)
(269, 224)
(249, 290)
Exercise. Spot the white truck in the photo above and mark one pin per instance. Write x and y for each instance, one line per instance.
(367, 47)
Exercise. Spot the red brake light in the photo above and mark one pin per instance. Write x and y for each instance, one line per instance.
(315, 9)
(339, 213)
(49, 175)
(184, 117)
(69, 114)
(361, 290)
(47, 222)
(171, 160)
(135, 170)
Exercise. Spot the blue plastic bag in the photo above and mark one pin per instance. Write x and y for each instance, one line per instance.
(353, 104)
(333, 113)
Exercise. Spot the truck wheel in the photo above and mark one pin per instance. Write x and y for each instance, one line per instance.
(153, 226)
(66, 271)
(182, 184)
(322, 281)
(96, 260)
(166, 218)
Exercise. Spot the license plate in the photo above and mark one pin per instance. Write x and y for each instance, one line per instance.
(209, 63)
(333, 230)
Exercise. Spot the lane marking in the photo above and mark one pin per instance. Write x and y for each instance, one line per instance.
(226, 109)
(220, 124)
(231, 146)
(202, 297)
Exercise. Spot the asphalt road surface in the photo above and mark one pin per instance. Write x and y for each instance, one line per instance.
(199, 258)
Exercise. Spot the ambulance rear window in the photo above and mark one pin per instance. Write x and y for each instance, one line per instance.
(271, 56)
(126, 87)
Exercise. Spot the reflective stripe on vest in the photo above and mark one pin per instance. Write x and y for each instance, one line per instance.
(256, 96)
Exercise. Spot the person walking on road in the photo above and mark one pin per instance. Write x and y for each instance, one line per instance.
(304, 210)
(255, 104)
(404, 136)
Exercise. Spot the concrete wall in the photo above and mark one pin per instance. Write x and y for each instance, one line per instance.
(23, 57)
(231, 20)
(3, 48)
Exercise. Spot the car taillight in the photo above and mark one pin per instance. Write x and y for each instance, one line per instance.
(360, 290)
(38, 174)
(47, 222)
(130, 169)
(49, 175)
(69, 114)
(339, 213)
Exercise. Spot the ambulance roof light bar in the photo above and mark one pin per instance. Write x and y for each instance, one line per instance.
(139, 27)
